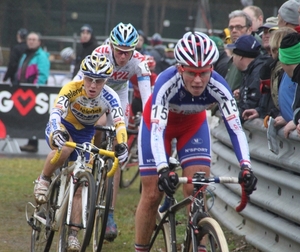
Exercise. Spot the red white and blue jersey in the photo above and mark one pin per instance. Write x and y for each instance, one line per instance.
(171, 103)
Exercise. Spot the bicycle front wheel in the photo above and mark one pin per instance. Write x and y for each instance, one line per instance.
(104, 192)
(84, 214)
(216, 241)
(41, 235)
(160, 240)
(42, 232)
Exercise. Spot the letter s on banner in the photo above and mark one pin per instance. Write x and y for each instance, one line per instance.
(41, 101)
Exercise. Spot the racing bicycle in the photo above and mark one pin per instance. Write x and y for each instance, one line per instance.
(55, 215)
(200, 225)
(102, 171)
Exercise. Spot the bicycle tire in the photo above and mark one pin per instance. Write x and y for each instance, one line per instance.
(216, 241)
(87, 181)
(42, 236)
(162, 241)
(104, 194)
(130, 168)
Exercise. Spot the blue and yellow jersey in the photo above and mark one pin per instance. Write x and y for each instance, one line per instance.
(73, 106)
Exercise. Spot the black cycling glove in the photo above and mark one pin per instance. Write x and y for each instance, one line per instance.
(121, 152)
(167, 181)
(246, 175)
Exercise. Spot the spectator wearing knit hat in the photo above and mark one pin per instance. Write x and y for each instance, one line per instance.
(248, 59)
(142, 43)
(289, 56)
(88, 43)
(288, 14)
(168, 59)
(158, 49)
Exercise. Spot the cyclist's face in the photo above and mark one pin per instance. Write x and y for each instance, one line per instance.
(122, 55)
(195, 78)
(92, 86)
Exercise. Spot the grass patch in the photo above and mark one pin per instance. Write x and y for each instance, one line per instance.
(16, 182)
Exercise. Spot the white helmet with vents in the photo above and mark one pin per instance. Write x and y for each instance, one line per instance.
(196, 49)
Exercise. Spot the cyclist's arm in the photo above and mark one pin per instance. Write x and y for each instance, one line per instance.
(159, 117)
(144, 82)
(237, 135)
(117, 114)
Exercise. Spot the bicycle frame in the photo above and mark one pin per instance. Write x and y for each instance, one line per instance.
(65, 190)
(55, 215)
(167, 212)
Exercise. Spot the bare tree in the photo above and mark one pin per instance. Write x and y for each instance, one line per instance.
(162, 16)
(145, 20)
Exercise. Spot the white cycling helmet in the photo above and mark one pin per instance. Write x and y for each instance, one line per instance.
(99, 67)
(67, 53)
(196, 49)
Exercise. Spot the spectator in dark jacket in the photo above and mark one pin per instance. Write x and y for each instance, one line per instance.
(221, 65)
(247, 58)
(88, 43)
(157, 49)
(166, 61)
(16, 53)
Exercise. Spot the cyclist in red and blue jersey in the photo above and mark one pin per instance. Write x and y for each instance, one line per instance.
(177, 109)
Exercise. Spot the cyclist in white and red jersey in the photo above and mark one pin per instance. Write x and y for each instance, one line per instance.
(176, 109)
(136, 106)
(127, 62)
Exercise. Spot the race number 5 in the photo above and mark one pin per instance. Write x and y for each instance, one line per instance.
(159, 114)
(230, 109)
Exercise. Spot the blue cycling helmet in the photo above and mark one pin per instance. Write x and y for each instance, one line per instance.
(124, 35)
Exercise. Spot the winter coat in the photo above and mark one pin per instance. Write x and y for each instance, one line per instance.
(34, 67)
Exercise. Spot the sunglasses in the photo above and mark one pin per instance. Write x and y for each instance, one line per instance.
(203, 73)
(90, 80)
(120, 52)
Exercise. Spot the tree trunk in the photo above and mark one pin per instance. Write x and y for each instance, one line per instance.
(145, 21)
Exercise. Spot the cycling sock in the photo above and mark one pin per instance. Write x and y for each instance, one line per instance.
(43, 177)
(141, 248)
(201, 248)
(73, 232)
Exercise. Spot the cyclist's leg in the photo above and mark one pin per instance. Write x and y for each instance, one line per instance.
(150, 198)
(193, 145)
(99, 135)
(194, 151)
(43, 181)
(79, 136)
(111, 226)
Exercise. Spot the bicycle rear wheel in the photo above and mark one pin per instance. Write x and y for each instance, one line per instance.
(87, 185)
(216, 241)
(130, 168)
(104, 193)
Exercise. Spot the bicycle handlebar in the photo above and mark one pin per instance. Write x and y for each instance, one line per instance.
(206, 181)
(92, 149)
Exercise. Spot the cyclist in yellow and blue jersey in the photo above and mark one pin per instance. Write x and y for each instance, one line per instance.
(77, 108)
